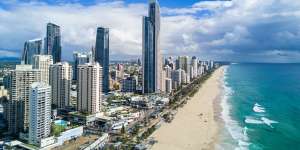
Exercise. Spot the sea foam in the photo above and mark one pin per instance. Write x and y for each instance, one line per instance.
(258, 108)
(252, 120)
(237, 132)
(268, 122)
(262, 120)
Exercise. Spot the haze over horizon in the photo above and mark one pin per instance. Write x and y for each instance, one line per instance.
(237, 30)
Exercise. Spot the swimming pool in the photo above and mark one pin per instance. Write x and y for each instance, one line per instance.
(61, 123)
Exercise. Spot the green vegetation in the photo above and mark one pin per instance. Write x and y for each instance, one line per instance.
(81, 114)
(135, 129)
(57, 129)
(188, 90)
(147, 133)
(120, 97)
(31, 146)
(123, 130)
(168, 117)
(116, 86)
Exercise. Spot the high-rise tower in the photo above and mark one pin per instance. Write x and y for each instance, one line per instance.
(53, 42)
(89, 87)
(102, 55)
(152, 67)
(31, 48)
(21, 79)
(39, 112)
(81, 58)
(60, 81)
(42, 63)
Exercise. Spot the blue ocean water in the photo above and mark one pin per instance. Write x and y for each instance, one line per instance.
(261, 106)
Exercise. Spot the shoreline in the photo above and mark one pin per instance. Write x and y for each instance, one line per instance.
(197, 125)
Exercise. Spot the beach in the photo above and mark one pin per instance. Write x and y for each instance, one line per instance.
(196, 125)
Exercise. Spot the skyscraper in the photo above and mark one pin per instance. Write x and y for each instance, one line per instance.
(168, 85)
(39, 112)
(184, 62)
(89, 88)
(42, 63)
(21, 79)
(152, 66)
(53, 42)
(176, 78)
(194, 70)
(80, 59)
(168, 71)
(102, 55)
(31, 48)
(60, 81)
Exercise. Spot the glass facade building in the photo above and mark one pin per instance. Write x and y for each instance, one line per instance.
(102, 55)
(53, 42)
(31, 48)
(152, 67)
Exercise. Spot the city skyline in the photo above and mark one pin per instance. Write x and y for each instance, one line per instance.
(229, 33)
(140, 74)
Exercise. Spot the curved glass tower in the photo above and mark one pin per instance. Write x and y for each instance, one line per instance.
(152, 67)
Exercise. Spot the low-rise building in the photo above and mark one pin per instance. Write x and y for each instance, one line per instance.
(129, 84)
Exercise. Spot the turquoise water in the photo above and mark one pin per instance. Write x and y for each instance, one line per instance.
(61, 123)
(261, 106)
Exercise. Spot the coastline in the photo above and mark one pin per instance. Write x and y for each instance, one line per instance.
(197, 125)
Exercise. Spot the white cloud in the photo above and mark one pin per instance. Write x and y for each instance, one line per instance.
(197, 7)
(234, 30)
(78, 25)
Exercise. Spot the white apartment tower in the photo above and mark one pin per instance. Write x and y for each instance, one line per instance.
(89, 88)
(39, 112)
(18, 111)
(194, 66)
(42, 63)
(168, 85)
(60, 81)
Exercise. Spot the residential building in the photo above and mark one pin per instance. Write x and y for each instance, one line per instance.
(81, 58)
(194, 67)
(168, 85)
(39, 112)
(89, 88)
(176, 78)
(60, 81)
(168, 70)
(18, 111)
(3, 92)
(184, 62)
(43, 63)
(184, 77)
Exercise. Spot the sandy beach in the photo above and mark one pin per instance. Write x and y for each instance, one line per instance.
(195, 126)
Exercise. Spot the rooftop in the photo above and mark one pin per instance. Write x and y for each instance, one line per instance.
(78, 143)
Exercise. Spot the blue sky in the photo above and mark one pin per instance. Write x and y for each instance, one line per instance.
(163, 3)
(237, 30)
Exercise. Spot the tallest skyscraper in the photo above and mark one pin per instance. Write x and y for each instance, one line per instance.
(152, 67)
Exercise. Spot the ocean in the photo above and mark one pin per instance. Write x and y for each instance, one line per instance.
(261, 107)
